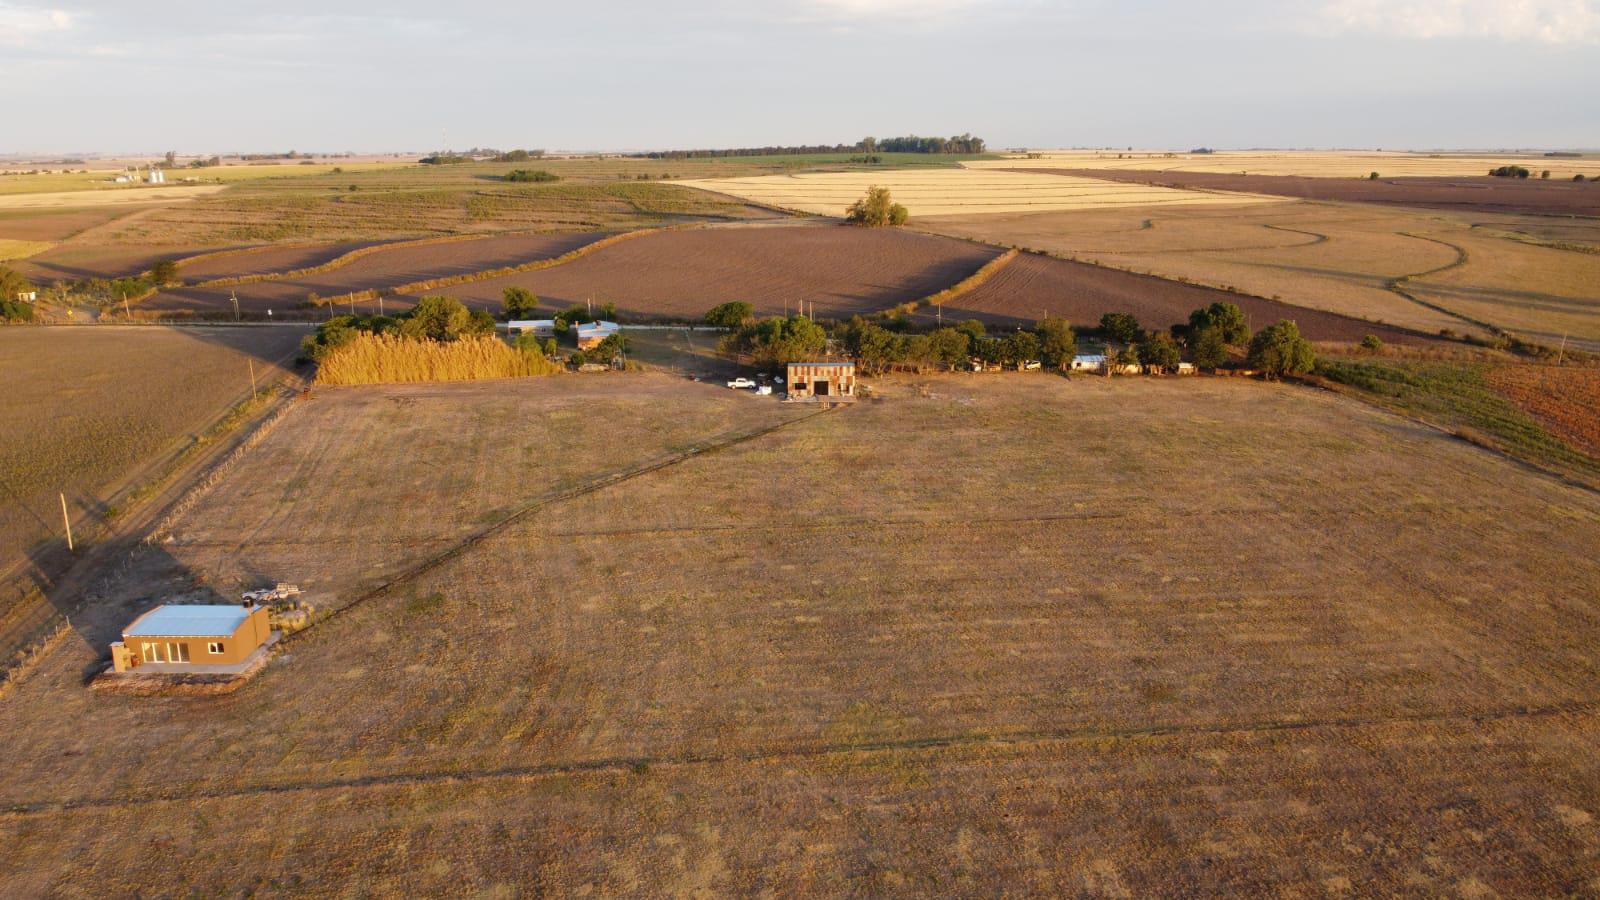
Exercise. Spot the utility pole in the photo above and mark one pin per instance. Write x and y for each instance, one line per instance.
(235, 296)
(252, 378)
(66, 519)
(352, 303)
(125, 310)
(380, 305)
(1562, 353)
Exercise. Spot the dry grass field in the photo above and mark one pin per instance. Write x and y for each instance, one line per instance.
(1510, 271)
(109, 197)
(84, 408)
(933, 192)
(1316, 164)
(988, 634)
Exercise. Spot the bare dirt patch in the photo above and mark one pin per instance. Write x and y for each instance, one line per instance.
(1564, 400)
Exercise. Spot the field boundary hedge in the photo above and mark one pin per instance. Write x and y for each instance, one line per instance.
(970, 283)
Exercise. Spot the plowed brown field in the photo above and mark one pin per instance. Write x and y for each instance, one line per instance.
(1034, 286)
(843, 270)
(1479, 195)
(1564, 400)
(378, 270)
(267, 260)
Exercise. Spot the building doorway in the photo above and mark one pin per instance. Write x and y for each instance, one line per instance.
(820, 387)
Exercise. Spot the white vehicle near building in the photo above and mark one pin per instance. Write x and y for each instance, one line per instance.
(741, 383)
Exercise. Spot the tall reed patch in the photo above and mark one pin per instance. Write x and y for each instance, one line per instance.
(390, 359)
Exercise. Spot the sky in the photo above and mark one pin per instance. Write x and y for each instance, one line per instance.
(109, 77)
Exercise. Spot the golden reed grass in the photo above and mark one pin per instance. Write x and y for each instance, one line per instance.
(392, 359)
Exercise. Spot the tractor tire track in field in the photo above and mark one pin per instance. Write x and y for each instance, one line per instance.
(519, 513)
(1397, 285)
(622, 764)
(1316, 238)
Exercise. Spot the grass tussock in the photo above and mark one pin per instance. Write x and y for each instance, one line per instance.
(391, 359)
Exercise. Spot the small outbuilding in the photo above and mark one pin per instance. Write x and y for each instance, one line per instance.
(180, 639)
(821, 381)
(543, 328)
(1088, 362)
(591, 334)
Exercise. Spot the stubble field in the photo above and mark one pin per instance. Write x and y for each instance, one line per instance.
(988, 632)
(1451, 272)
(933, 192)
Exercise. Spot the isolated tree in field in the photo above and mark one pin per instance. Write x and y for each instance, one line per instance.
(1373, 177)
(164, 272)
(1121, 327)
(732, 314)
(1159, 349)
(876, 210)
(519, 302)
(1227, 318)
(1280, 350)
(1208, 349)
(1372, 343)
(1057, 343)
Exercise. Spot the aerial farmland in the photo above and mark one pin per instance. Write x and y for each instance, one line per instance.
(622, 482)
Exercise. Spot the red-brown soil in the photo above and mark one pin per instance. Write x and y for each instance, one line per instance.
(1566, 401)
(268, 259)
(841, 269)
(73, 262)
(1481, 195)
(37, 225)
(378, 270)
(1034, 286)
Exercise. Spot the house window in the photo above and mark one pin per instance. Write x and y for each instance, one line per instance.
(214, 648)
(148, 653)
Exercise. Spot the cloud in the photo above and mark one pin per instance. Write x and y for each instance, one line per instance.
(870, 11)
(19, 25)
(1547, 21)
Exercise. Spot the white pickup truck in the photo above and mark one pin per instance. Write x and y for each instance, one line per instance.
(741, 383)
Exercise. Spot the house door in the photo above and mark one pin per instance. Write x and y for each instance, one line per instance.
(820, 388)
(177, 653)
(149, 653)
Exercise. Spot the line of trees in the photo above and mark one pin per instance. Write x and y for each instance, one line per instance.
(961, 143)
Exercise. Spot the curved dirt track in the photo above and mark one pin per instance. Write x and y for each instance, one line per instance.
(383, 269)
(1034, 286)
(842, 270)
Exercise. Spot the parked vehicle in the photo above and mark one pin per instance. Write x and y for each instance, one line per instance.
(741, 383)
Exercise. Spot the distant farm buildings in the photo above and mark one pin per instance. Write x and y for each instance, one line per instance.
(194, 639)
(542, 328)
(591, 334)
(821, 381)
(1088, 362)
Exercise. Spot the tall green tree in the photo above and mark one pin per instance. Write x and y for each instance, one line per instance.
(1057, 343)
(733, 314)
(1121, 327)
(12, 283)
(164, 272)
(1159, 349)
(1019, 347)
(1208, 349)
(438, 318)
(518, 302)
(1227, 318)
(949, 346)
(1280, 350)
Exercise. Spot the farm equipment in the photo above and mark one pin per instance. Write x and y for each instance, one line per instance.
(284, 611)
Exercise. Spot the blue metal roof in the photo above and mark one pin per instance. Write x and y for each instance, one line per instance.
(189, 621)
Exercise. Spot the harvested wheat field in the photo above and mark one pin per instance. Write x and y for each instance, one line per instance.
(106, 197)
(1032, 287)
(1367, 262)
(932, 192)
(681, 274)
(1349, 164)
(85, 408)
(382, 269)
(989, 634)
(265, 260)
